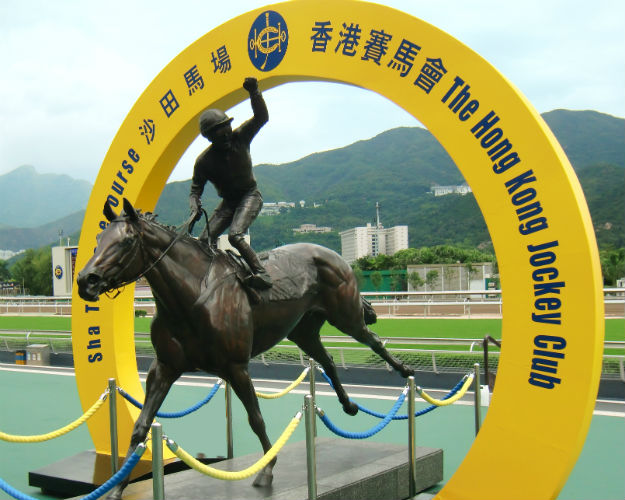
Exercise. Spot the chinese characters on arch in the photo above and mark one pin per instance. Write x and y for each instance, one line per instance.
(383, 49)
(192, 81)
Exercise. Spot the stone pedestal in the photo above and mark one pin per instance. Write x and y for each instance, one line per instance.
(355, 470)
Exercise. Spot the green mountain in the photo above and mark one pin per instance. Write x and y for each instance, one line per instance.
(30, 199)
(12, 238)
(397, 168)
(589, 138)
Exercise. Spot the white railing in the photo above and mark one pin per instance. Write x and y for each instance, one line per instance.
(346, 351)
(430, 303)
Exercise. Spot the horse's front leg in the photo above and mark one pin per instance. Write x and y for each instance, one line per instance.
(159, 381)
(240, 380)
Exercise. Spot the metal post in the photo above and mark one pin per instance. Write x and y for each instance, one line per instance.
(230, 453)
(311, 383)
(412, 464)
(476, 388)
(158, 473)
(311, 459)
(113, 424)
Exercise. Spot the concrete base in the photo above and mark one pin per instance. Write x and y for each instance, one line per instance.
(82, 473)
(346, 469)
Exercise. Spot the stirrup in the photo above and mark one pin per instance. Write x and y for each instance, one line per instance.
(260, 281)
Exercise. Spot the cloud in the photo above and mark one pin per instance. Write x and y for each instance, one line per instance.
(72, 71)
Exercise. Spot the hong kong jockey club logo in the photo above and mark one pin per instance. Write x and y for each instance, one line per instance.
(58, 272)
(268, 41)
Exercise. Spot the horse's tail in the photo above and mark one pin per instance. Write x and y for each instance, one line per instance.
(368, 312)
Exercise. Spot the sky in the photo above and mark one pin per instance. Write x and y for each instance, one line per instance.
(71, 70)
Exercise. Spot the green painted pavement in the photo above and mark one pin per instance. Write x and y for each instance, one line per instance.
(33, 403)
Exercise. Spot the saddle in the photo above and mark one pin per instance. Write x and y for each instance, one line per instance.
(240, 267)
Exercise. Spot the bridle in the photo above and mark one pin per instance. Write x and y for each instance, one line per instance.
(183, 230)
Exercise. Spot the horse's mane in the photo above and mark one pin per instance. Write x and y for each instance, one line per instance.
(172, 230)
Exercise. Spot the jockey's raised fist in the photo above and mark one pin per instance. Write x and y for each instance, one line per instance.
(250, 84)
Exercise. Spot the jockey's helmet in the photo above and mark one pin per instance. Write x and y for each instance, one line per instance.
(211, 119)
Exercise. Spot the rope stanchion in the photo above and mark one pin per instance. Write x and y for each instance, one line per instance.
(12, 438)
(234, 475)
(98, 492)
(365, 434)
(178, 414)
(286, 390)
(445, 402)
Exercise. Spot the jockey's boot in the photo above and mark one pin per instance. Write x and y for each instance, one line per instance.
(259, 278)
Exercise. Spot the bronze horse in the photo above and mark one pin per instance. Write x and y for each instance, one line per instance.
(207, 320)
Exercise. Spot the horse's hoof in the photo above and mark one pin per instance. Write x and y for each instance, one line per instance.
(115, 495)
(263, 479)
(407, 372)
(350, 408)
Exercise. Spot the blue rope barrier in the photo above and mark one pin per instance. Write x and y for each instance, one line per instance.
(423, 411)
(374, 430)
(177, 414)
(98, 492)
(119, 476)
(7, 488)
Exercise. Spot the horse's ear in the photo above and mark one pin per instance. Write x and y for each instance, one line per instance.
(130, 210)
(108, 212)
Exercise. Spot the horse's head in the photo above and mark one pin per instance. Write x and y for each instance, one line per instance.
(118, 258)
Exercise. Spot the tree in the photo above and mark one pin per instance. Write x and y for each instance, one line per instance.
(35, 271)
(431, 277)
(612, 265)
(5, 274)
(398, 282)
(376, 279)
(415, 280)
(360, 277)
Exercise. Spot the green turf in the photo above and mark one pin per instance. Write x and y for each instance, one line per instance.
(385, 327)
(63, 323)
(436, 328)
(458, 328)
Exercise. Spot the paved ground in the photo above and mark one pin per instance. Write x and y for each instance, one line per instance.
(37, 401)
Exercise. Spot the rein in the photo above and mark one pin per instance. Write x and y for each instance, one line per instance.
(185, 229)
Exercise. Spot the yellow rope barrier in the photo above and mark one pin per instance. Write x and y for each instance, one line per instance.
(288, 389)
(245, 473)
(451, 400)
(59, 432)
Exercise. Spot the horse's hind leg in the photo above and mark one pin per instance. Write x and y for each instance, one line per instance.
(240, 381)
(345, 310)
(364, 335)
(159, 380)
(350, 319)
(306, 336)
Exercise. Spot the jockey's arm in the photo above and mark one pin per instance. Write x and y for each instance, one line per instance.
(261, 115)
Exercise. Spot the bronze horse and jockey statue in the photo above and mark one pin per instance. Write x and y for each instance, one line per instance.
(208, 318)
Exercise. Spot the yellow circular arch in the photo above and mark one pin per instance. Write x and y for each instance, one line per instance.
(529, 195)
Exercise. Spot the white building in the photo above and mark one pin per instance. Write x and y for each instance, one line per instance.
(371, 241)
(311, 228)
(273, 208)
(443, 190)
(63, 268)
